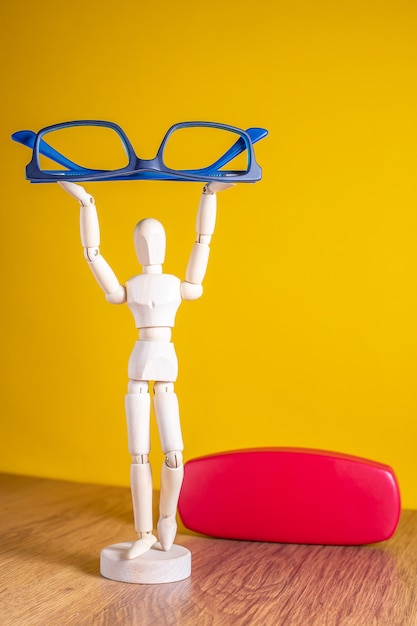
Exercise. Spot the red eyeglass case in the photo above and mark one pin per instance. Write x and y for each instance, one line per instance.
(290, 495)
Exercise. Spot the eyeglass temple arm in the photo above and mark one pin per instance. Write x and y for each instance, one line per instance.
(27, 138)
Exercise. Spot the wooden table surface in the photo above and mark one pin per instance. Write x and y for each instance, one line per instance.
(52, 533)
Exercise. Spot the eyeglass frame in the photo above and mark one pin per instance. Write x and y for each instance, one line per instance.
(141, 169)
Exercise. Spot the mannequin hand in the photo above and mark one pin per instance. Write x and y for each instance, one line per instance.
(77, 192)
(215, 187)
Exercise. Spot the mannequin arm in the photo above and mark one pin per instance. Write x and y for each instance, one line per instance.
(192, 287)
(90, 239)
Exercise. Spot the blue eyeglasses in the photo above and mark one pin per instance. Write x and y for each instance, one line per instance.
(101, 151)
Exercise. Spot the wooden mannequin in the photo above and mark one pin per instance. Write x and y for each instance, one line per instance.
(153, 297)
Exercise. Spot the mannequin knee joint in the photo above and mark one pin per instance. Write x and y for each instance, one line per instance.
(173, 459)
(140, 459)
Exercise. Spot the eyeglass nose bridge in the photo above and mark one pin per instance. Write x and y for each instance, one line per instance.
(148, 164)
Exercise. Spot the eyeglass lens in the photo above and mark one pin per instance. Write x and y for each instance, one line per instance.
(199, 147)
(91, 147)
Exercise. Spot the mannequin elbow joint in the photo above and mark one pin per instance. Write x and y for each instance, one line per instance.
(91, 254)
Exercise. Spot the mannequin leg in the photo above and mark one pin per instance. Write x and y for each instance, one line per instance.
(137, 403)
(167, 415)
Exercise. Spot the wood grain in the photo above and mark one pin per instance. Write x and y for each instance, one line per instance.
(52, 533)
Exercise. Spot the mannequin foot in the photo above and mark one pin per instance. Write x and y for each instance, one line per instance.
(142, 545)
(167, 529)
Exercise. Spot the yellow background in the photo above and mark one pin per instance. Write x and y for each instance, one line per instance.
(307, 332)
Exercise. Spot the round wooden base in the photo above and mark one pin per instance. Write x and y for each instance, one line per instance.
(154, 567)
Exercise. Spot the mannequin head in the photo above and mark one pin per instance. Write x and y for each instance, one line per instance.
(150, 242)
